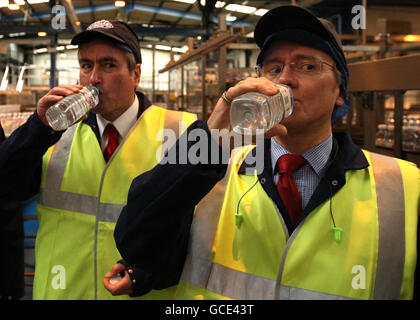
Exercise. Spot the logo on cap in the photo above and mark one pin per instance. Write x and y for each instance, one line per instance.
(103, 24)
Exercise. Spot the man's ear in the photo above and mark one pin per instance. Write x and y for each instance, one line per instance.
(137, 73)
(340, 100)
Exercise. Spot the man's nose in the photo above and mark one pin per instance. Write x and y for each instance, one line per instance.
(95, 76)
(288, 76)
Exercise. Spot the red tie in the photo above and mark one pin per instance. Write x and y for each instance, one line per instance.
(289, 193)
(112, 135)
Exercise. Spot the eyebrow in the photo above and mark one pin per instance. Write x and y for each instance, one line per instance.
(102, 60)
(298, 56)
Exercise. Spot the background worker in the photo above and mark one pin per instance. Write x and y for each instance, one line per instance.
(84, 178)
(324, 220)
(11, 247)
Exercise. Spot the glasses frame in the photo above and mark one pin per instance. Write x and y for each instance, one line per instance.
(260, 73)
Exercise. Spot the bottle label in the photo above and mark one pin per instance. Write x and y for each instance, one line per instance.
(286, 93)
(90, 98)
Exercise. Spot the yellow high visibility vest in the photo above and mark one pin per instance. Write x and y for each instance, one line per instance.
(81, 199)
(377, 210)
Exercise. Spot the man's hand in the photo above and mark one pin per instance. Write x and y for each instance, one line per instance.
(220, 117)
(52, 97)
(111, 283)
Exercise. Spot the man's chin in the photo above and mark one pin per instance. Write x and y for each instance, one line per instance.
(277, 130)
(96, 110)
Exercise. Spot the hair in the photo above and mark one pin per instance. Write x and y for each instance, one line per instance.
(131, 61)
(338, 76)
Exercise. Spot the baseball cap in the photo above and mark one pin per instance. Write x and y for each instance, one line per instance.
(298, 25)
(117, 32)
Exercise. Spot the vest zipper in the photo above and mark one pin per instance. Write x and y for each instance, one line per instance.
(289, 241)
(98, 206)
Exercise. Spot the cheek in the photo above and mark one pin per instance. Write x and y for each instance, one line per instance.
(317, 97)
(84, 79)
(120, 88)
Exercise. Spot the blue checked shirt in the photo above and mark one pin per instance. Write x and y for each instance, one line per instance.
(307, 177)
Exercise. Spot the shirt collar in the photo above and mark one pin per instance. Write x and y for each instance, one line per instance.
(346, 155)
(124, 122)
(317, 157)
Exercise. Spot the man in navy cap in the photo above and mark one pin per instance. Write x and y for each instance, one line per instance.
(324, 220)
(83, 174)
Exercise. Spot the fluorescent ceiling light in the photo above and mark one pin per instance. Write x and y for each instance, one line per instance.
(161, 47)
(186, 1)
(42, 34)
(41, 50)
(37, 1)
(71, 46)
(220, 4)
(240, 8)
(260, 12)
(181, 50)
(119, 4)
(411, 38)
(17, 34)
(4, 3)
(20, 2)
(60, 48)
(230, 18)
(13, 6)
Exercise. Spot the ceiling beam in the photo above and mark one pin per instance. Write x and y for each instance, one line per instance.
(92, 14)
(74, 21)
(110, 7)
(143, 31)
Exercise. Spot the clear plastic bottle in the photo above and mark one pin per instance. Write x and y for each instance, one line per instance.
(409, 138)
(254, 110)
(70, 109)
(380, 135)
(416, 135)
(389, 141)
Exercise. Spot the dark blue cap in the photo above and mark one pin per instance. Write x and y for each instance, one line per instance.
(119, 33)
(298, 25)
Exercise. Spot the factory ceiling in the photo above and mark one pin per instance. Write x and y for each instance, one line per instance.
(153, 20)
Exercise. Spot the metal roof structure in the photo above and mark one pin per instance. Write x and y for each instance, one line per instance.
(153, 20)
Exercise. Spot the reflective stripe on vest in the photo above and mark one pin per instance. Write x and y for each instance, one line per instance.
(53, 196)
(79, 204)
(202, 277)
(390, 193)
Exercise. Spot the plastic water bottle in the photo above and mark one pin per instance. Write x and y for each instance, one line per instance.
(389, 136)
(254, 111)
(69, 110)
(380, 135)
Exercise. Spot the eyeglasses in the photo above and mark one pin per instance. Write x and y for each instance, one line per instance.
(308, 66)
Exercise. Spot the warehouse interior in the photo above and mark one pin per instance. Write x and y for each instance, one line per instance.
(194, 50)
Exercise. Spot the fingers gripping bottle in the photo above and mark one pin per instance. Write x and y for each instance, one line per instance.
(254, 111)
(70, 109)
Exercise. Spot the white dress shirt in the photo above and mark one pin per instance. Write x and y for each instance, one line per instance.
(123, 123)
